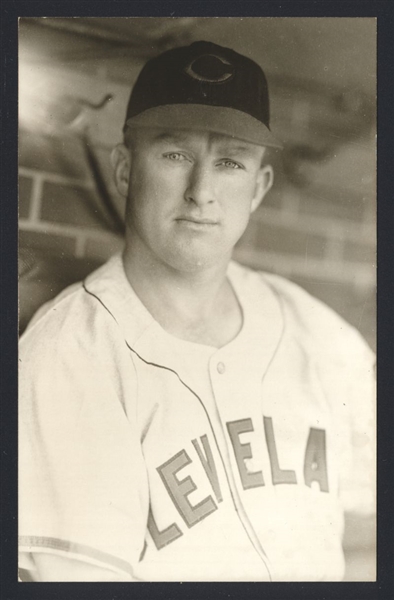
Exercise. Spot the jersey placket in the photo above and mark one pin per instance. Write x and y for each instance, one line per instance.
(226, 377)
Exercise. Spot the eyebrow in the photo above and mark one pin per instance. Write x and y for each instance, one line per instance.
(236, 149)
(224, 145)
(231, 146)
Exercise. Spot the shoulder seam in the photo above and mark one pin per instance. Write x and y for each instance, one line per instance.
(99, 301)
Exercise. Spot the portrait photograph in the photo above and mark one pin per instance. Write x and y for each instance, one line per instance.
(197, 303)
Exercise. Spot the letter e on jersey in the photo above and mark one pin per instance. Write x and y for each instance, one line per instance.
(180, 489)
(243, 452)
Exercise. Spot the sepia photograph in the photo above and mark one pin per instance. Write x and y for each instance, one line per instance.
(197, 299)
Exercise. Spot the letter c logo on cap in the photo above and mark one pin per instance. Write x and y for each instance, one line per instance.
(210, 68)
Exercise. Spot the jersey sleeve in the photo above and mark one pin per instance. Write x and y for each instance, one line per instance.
(83, 490)
(358, 475)
(346, 367)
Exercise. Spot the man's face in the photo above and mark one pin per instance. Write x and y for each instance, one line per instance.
(190, 195)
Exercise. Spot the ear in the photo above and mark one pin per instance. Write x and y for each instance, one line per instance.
(265, 179)
(121, 163)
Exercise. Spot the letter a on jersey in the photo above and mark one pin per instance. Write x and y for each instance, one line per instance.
(315, 463)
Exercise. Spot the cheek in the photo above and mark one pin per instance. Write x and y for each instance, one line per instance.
(239, 185)
(238, 208)
(239, 196)
(156, 186)
(144, 193)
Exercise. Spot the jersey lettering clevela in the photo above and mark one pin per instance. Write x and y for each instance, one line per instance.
(173, 462)
(315, 471)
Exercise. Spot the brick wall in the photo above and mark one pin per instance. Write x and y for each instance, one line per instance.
(321, 234)
(59, 204)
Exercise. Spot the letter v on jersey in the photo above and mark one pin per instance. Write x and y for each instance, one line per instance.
(314, 471)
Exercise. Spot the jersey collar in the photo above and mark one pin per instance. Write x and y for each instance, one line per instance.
(254, 346)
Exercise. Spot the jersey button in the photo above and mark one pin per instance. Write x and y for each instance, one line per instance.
(221, 367)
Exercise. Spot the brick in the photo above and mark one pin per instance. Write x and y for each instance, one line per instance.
(72, 205)
(57, 244)
(61, 155)
(24, 196)
(270, 238)
(102, 249)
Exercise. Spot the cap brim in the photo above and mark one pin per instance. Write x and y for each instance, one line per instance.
(203, 117)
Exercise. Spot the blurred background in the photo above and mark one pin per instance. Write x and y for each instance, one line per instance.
(316, 226)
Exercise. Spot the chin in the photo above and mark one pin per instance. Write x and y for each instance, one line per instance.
(192, 263)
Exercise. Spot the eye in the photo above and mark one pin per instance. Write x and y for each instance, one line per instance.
(231, 164)
(175, 156)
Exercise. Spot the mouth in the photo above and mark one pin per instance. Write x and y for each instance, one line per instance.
(197, 221)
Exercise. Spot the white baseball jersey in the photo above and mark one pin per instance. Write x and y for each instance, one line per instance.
(166, 460)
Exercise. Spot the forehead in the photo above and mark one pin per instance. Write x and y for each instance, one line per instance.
(185, 137)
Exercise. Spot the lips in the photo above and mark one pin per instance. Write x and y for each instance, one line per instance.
(198, 220)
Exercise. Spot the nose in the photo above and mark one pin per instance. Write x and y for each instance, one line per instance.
(200, 189)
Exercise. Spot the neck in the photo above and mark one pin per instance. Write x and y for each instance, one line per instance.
(198, 306)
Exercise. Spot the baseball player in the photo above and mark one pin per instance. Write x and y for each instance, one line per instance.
(183, 418)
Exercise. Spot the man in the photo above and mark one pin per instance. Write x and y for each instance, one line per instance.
(182, 417)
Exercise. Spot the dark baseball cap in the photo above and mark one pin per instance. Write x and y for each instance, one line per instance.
(203, 87)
